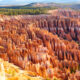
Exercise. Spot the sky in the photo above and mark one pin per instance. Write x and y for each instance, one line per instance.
(23, 2)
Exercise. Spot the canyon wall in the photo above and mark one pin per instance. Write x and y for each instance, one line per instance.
(65, 27)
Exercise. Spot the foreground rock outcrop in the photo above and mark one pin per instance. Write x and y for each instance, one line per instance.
(9, 71)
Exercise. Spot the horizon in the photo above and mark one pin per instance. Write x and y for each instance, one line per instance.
(24, 2)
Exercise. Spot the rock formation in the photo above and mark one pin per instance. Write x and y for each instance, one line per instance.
(44, 44)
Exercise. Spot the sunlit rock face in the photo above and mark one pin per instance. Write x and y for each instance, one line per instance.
(44, 44)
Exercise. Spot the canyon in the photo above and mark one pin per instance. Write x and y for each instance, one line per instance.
(48, 44)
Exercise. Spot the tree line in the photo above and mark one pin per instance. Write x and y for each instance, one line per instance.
(30, 11)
